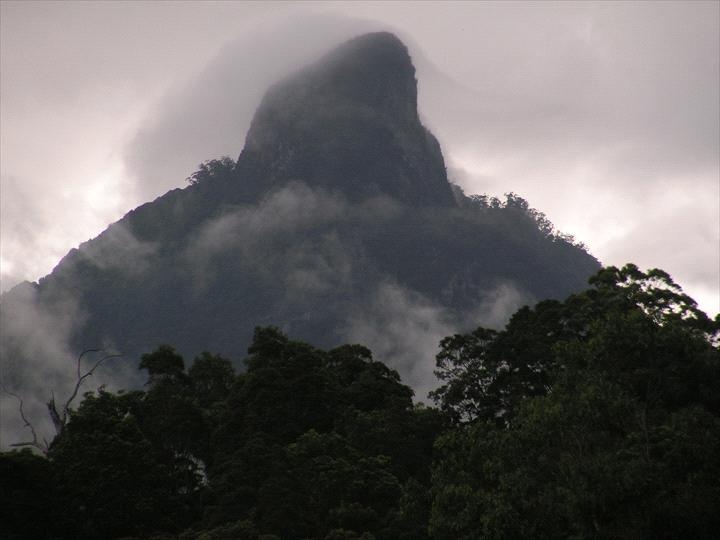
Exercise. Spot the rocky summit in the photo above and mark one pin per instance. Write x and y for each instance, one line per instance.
(337, 224)
(349, 123)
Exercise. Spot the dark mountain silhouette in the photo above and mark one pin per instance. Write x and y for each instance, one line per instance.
(337, 223)
(350, 123)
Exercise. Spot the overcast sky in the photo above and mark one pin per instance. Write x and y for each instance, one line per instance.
(605, 116)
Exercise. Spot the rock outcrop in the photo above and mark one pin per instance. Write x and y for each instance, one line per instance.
(349, 123)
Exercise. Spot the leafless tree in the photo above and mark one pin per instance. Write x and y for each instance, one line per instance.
(60, 416)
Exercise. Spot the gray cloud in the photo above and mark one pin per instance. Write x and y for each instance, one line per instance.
(404, 329)
(592, 111)
(606, 118)
(37, 355)
(401, 327)
(210, 115)
(38, 361)
(496, 306)
(119, 250)
(22, 218)
(35, 358)
(252, 231)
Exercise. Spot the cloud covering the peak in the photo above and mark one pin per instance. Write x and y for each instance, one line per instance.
(603, 115)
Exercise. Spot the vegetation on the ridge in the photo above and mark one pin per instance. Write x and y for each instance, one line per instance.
(515, 203)
(596, 417)
(221, 168)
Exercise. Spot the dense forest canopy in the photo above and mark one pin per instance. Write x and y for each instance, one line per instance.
(593, 417)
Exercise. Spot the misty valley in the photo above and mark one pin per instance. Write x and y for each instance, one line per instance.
(327, 339)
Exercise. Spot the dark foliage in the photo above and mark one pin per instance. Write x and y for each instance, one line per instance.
(213, 169)
(27, 494)
(596, 417)
(304, 444)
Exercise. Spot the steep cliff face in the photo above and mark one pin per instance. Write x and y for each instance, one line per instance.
(349, 123)
(337, 224)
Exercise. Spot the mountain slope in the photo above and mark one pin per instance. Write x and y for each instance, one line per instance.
(336, 224)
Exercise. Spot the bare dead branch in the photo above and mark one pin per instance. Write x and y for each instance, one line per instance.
(34, 443)
(80, 379)
(57, 421)
(60, 419)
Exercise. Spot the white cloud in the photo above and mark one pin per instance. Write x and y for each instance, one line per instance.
(404, 329)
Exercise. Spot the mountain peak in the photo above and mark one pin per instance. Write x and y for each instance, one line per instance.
(349, 123)
(375, 69)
